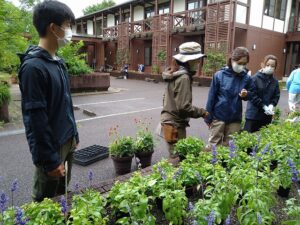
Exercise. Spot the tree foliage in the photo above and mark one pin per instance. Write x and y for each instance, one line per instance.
(16, 33)
(99, 6)
(74, 59)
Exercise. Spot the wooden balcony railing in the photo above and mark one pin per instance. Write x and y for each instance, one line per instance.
(188, 18)
(110, 32)
(142, 26)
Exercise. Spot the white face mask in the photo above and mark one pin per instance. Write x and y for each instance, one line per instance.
(237, 68)
(268, 70)
(61, 42)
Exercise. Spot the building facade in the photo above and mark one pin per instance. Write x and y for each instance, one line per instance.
(149, 31)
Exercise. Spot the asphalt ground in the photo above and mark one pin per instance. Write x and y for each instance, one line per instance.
(134, 100)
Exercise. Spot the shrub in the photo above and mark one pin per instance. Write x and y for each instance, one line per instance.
(190, 145)
(214, 61)
(75, 61)
(4, 94)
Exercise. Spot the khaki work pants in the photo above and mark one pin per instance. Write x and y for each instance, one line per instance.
(45, 186)
(219, 132)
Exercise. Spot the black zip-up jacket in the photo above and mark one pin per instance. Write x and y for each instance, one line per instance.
(47, 106)
(268, 93)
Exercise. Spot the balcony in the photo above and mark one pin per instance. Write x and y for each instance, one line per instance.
(111, 33)
(188, 21)
(293, 29)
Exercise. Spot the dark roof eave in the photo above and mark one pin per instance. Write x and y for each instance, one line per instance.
(91, 15)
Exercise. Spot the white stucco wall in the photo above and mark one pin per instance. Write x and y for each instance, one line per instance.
(241, 14)
(138, 13)
(256, 12)
(90, 27)
(74, 30)
(110, 20)
(179, 6)
(268, 22)
(244, 1)
(279, 25)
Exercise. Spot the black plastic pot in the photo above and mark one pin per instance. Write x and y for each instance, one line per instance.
(145, 158)
(273, 165)
(122, 164)
(283, 192)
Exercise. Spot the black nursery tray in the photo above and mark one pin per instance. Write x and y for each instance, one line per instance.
(89, 155)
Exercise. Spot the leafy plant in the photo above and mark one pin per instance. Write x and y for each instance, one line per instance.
(189, 145)
(88, 209)
(130, 203)
(4, 94)
(122, 57)
(214, 61)
(162, 55)
(293, 211)
(44, 213)
(155, 69)
(75, 61)
(144, 141)
(120, 146)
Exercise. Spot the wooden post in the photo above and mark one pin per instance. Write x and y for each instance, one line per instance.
(131, 14)
(82, 27)
(120, 15)
(172, 7)
(94, 28)
(102, 24)
(156, 7)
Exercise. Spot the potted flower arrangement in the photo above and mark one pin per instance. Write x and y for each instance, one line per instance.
(189, 145)
(144, 147)
(144, 143)
(121, 151)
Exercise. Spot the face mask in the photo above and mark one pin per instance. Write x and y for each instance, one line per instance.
(61, 42)
(237, 68)
(268, 70)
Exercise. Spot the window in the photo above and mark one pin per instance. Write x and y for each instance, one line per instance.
(275, 8)
(148, 56)
(195, 4)
(164, 8)
(149, 12)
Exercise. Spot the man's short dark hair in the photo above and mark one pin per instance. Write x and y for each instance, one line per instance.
(50, 11)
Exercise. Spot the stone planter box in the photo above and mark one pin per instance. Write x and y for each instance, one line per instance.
(201, 80)
(90, 82)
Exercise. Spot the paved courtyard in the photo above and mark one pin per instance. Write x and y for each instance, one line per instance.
(131, 100)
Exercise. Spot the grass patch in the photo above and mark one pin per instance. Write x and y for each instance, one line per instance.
(4, 76)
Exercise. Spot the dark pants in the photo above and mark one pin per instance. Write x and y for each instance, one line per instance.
(45, 186)
(254, 125)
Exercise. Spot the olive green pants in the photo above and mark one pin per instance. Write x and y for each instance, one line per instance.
(219, 132)
(181, 135)
(45, 186)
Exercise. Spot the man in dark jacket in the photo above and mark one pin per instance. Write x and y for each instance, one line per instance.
(46, 101)
(260, 110)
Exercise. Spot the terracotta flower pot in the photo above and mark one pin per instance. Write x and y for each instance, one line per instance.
(122, 164)
(145, 158)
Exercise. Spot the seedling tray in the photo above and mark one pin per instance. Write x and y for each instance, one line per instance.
(89, 155)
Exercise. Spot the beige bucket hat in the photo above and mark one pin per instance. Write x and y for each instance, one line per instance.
(189, 51)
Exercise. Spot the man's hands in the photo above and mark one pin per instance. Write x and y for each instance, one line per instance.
(58, 172)
(243, 93)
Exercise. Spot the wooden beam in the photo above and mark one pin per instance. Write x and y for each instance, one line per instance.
(156, 7)
(94, 28)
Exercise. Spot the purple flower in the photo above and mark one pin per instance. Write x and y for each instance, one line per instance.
(3, 201)
(271, 152)
(162, 173)
(266, 148)
(211, 218)
(199, 178)
(214, 154)
(293, 170)
(63, 204)
(191, 207)
(76, 187)
(232, 149)
(227, 221)
(90, 176)
(19, 217)
(178, 173)
(259, 219)
(14, 185)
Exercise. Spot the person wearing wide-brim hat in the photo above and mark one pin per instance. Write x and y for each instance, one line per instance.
(177, 100)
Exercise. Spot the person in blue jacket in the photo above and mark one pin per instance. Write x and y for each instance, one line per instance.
(259, 111)
(293, 87)
(47, 106)
(229, 87)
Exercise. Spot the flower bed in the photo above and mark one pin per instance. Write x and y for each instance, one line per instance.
(233, 186)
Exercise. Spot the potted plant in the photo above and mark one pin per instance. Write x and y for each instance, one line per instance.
(144, 147)
(4, 101)
(121, 150)
(190, 145)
